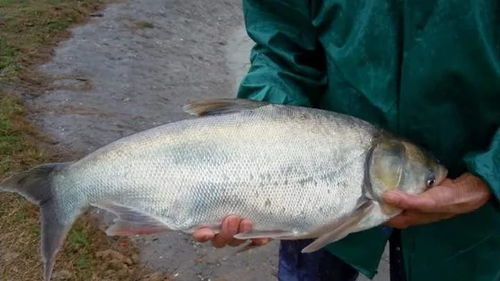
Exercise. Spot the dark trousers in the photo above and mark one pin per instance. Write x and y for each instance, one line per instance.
(323, 266)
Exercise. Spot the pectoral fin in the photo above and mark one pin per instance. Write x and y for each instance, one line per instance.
(349, 225)
(131, 221)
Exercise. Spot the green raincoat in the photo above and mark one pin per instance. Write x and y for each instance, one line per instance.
(427, 70)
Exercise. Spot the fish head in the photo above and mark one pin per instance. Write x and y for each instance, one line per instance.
(399, 164)
(421, 170)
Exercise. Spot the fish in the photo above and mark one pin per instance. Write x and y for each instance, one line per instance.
(296, 172)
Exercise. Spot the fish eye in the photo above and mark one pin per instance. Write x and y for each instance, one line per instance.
(431, 180)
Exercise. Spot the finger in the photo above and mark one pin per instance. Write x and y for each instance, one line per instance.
(399, 199)
(471, 193)
(431, 201)
(245, 226)
(260, 241)
(229, 228)
(203, 234)
(411, 218)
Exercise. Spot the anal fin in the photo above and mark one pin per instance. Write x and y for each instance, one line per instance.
(130, 228)
(130, 221)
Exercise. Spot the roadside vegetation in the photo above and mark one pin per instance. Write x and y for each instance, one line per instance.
(29, 29)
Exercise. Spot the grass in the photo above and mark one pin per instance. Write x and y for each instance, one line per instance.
(17, 137)
(29, 27)
(28, 31)
(19, 229)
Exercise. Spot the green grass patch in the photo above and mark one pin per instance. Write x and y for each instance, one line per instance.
(78, 238)
(79, 243)
(17, 149)
(29, 26)
(28, 31)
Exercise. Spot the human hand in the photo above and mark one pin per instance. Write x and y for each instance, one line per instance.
(230, 226)
(450, 198)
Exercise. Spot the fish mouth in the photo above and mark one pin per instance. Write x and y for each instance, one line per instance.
(442, 174)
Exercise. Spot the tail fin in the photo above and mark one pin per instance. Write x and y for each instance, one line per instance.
(36, 185)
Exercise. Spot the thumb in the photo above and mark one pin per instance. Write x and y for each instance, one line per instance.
(203, 234)
(423, 202)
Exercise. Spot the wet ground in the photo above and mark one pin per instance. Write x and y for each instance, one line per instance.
(132, 67)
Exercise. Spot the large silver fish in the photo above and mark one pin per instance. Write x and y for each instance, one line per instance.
(295, 172)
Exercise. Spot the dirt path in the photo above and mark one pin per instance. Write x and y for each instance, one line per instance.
(133, 67)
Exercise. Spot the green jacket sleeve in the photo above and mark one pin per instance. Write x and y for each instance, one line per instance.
(486, 164)
(287, 63)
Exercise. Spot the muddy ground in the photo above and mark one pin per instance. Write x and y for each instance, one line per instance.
(132, 67)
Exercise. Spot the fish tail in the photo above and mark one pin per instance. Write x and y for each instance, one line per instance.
(37, 186)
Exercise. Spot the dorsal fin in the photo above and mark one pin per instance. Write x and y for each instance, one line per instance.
(221, 106)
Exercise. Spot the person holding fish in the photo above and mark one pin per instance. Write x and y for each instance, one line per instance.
(329, 142)
(428, 71)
